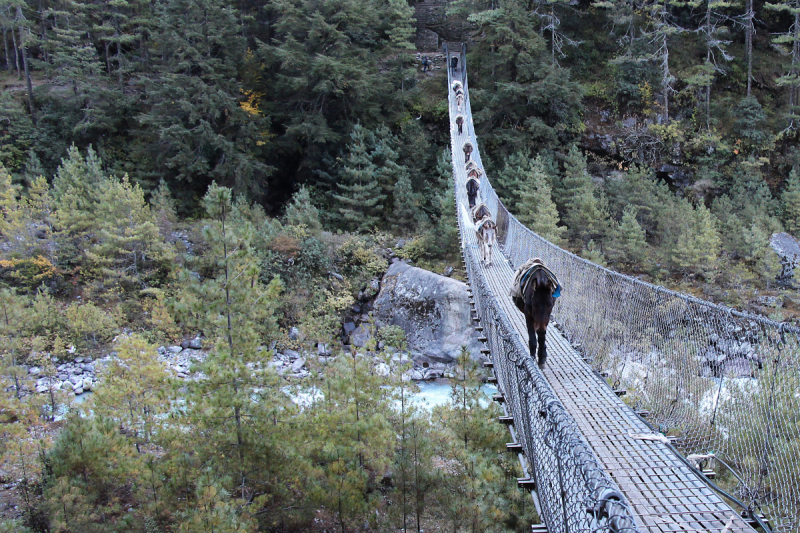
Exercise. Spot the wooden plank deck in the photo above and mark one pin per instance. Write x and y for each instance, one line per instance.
(664, 493)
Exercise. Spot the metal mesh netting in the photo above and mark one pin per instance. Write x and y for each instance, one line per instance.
(726, 383)
(574, 493)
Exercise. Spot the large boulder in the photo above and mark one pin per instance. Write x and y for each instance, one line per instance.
(788, 251)
(433, 310)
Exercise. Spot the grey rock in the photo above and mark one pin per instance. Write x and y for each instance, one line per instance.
(371, 290)
(87, 384)
(63, 377)
(196, 343)
(322, 349)
(416, 375)
(449, 271)
(382, 369)
(34, 371)
(78, 360)
(75, 380)
(348, 328)
(291, 354)
(336, 275)
(788, 251)
(61, 367)
(395, 260)
(433, 311)
(400, 244)
(360, 337)
(174, 349)
(356, 308)
(162, 350)
(433, 373)
(770, 301)
(184, 344)
(294, 333)
(629, 123)
(297, 366)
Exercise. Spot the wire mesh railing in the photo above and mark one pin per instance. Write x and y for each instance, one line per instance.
(574, 493)
(725, 383)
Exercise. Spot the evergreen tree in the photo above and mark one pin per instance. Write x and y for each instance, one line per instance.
(236, 411)
(536, 207)
(406, 204)
(162, 205)
(76, 188)
(301, 212)
(586, 208)
(354, 437)
(713, 30)
(134, 390)
(511, 180)
(791, 203)
(531, 104)
(750, 123)
(789, 42)
(195, 125)
(130, 247)
(360, 196)
(698, 245)
(629, 245)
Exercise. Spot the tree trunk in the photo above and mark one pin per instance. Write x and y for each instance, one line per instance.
(108, 60)
(666, 80)
(16, 53)
(795, 58)
(749, 15)
(27, 75)
(5, 44)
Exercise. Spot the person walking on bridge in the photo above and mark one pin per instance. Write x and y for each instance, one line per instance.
(454, 64)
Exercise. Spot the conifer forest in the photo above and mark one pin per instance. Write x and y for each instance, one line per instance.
(224, 179)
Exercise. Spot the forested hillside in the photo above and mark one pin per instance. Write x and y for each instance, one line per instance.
(665, 132)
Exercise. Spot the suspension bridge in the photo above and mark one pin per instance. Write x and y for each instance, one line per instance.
(644, 391)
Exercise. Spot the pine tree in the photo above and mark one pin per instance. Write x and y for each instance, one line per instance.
(523, 94)
(354, 437)
(162, 205)
(33, 168)
(586, 209)
(360, 196)
(791, 203)
(406, 204)
(129, 246)
(629, 244)
(698, 245)
(76, 188)
(302, 212)
(790, 44)
(238, 408)
(134, 390)
(195, 124)
(536, 207)
(512, 178)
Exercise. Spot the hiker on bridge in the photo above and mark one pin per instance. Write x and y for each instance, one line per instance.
(454, 64)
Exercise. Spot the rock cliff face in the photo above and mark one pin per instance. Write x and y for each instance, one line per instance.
(433, 310)
(788, 250)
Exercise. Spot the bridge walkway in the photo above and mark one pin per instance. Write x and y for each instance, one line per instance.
(663, 492)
